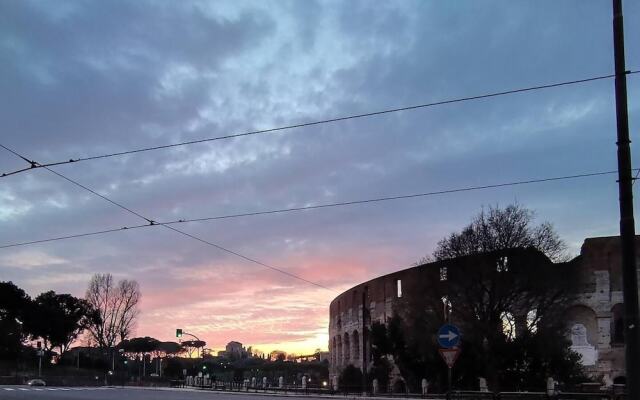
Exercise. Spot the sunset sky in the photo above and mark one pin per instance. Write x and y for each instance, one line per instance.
(84, 78)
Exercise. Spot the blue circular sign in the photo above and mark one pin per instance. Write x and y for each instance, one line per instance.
(448, 336)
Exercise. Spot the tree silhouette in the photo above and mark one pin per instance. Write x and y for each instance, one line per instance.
(58, 319)
(502, 228)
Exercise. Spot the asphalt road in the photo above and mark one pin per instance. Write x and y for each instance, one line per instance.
(116, 393)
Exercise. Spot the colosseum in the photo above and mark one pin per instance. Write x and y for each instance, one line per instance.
(594, 319)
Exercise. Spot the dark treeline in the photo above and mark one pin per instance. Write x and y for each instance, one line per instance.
(52, 321)
(44, 328)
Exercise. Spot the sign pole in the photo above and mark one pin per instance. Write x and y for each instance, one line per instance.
(449, 338)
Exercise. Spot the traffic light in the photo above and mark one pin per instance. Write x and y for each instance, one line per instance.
(204, 367)
(126, 362)
(178, 333)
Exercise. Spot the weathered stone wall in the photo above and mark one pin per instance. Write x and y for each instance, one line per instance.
(594, 322)
(600, 267)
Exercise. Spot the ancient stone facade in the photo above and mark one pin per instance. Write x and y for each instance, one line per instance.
(596, 318)
(594, 322)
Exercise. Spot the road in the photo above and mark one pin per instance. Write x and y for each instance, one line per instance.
(117, 393)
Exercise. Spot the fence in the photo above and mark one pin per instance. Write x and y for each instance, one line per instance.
(246, 386)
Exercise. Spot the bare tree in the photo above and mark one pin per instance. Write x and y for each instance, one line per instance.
(500, 229)
(116, 306)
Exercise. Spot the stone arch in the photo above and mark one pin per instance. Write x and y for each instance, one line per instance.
(347, 348)
(355, 340)
(586, 316)
(617, 324)
(583, 331)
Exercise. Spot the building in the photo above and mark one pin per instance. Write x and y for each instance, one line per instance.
(594, 319)
(234, 350)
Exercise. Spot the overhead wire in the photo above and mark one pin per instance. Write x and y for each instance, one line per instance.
(36, 165)
(320, 122)
(152, 222)
(319, 206)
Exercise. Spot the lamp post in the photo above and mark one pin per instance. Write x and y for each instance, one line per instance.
(181, 332)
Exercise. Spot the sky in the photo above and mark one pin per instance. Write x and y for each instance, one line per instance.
(84, 78)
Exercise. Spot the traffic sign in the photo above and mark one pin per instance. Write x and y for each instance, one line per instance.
(450, 355)
(448, 336)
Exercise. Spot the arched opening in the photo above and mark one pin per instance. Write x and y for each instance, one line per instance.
(356, 346)
(532, 320)
(447, 308)
(508, 325)
(586, 317)
(583, 328)
(347, 348)
(617, 324)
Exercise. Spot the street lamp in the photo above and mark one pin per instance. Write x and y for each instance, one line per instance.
(180, 333)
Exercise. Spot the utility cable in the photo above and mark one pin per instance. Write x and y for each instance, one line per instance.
(319, 206)
(320, 122)
(152, 222)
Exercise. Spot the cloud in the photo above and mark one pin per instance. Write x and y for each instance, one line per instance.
(87, 78)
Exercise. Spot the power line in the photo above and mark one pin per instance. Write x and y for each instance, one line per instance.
(390, 198)
(152, 222)
(79, 235)
(319, 206)
(319, 122)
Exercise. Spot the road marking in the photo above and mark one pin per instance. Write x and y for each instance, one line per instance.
(54, 388)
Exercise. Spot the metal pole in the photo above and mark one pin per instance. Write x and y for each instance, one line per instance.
(449, 377)
(39, 365)
(627, 223)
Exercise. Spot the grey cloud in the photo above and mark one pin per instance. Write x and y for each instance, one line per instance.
(90, 81)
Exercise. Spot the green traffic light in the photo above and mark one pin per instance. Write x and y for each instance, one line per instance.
(178, 333)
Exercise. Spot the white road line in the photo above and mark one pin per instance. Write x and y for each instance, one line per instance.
(9, 389)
